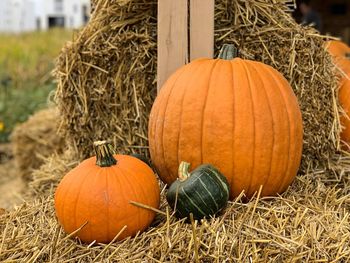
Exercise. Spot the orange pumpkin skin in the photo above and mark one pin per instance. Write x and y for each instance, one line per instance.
(339, 53)
(337, 48)
(238, 115)
(344, 99)
(101, 195)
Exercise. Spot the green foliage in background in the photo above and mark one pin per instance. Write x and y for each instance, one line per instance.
(26, 62)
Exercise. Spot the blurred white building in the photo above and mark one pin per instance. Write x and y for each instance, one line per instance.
(28, 15)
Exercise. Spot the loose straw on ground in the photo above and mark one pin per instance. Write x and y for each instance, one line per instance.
(310, 222)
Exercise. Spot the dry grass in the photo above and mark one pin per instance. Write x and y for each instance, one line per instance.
(35, 140)
(26, 62)
(11, 186)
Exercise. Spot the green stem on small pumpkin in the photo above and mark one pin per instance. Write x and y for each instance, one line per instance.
(228, 52)
(183, 171)
(104, 154)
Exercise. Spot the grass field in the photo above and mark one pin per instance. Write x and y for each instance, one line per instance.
(26, 62)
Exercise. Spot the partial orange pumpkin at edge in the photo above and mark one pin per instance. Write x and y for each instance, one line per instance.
(344, 100)
(337, 48)
(340, 52)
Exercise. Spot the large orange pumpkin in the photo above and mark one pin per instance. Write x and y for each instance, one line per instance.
(238, 115)
(337, 48)
(99, 191)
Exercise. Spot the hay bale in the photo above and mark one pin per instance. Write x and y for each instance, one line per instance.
(93, 5)
(36, 139)
(46, 178)
(308, 223)
(107, 76)
(5, 153)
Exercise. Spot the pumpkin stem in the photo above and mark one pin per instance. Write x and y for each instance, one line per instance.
(228, 52)
(183, 171)
(104, 154)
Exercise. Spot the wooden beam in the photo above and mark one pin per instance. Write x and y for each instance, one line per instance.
(172, 37)
(202, 28)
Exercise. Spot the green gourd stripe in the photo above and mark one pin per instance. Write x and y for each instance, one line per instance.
(219, 183)
(198, 194)
(183, 206)
(206, 189)
(216, 180)
(217, 175)
(189, 199)
(195, 179)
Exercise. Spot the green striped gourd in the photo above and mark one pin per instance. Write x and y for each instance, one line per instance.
(204, 192)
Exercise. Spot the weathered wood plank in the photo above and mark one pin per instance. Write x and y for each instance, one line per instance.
(202, 28)
(172, 37)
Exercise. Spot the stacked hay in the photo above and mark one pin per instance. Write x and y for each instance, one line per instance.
(93, 5)
(107, 76)
(55, 166)
(36, 139)
(5, 153)
(309, 223)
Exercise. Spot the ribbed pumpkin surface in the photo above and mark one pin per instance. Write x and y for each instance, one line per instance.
(238, 115)
(101, 196)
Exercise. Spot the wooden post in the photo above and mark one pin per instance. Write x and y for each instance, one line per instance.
(202, 29)
(174, 43)
(172, 37)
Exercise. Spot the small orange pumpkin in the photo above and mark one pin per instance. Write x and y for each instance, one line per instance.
(99, 191)
(337, 48)
(239, 115)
